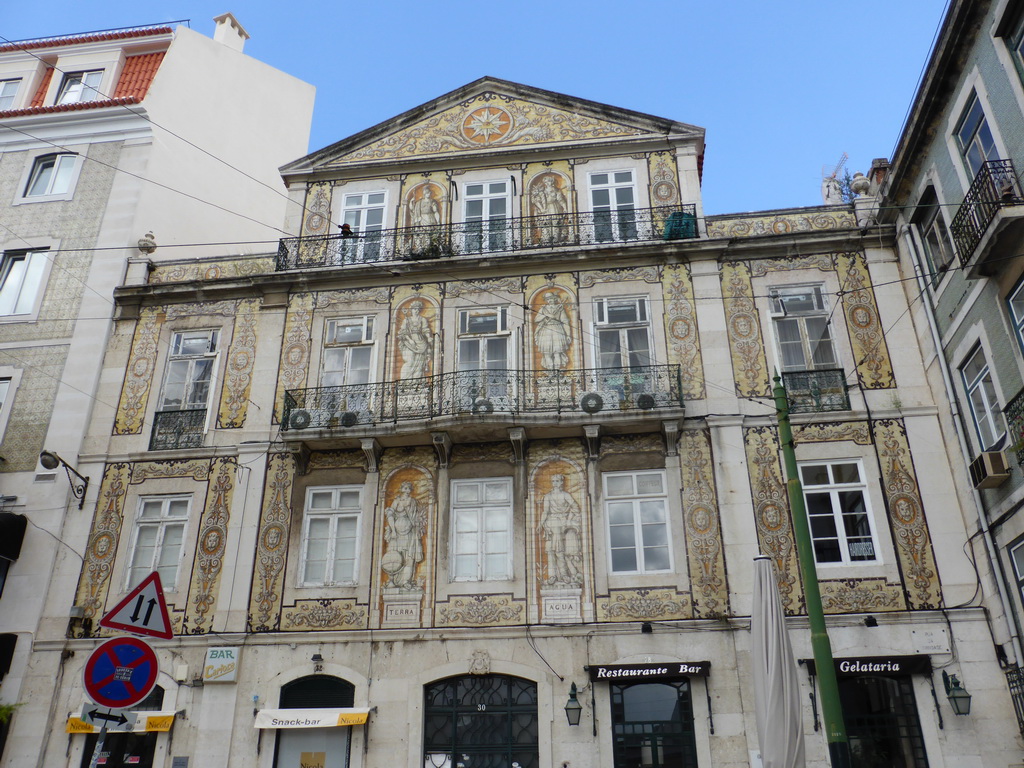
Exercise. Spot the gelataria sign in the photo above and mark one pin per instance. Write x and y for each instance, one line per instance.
(886, 666)
(221, 665)
(665, 670)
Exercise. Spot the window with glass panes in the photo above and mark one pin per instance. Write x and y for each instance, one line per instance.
(51, 175)
(613, 205)
(330, 536)
(622, 329)
(483, 356)
(159, 532)
(8, 90)
(974, 137)
(481, 529)
(364, 213)
(938, 249)
(21, 278)
(189, 371)
(981, 395)
(80, 86)
(882, 723)
(652, 725)
(636, 507)
(348, 352)
(1016, 305)
(487, 207)
(801, 320)
(835, 496)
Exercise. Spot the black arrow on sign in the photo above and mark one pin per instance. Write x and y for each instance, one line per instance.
(119, 718)
(149, 610)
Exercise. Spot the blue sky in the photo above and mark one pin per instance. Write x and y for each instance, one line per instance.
(782, 89)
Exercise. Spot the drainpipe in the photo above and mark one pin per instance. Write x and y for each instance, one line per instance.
(965, 451)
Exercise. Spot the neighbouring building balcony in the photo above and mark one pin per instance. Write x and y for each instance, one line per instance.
(1015, 681)
(587, 392)
(994, 190)
(1014, 412)
(816, 391)
(492, 236)
(177, 429)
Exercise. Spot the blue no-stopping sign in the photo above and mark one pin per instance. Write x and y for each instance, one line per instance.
(121, 672)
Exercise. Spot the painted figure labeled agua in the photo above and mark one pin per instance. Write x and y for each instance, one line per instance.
(560, 525)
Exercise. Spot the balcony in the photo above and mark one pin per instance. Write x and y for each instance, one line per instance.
(585, 392)
(816, 391)
(1014, 412)
(1015, 682)
(177, 429)
(991, 198)
(494, 236)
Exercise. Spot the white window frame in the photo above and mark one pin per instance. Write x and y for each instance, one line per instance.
(982, 393)
(490, 239)
(620, 227)
(781, 300)
(485, 539)
(79, 87)
(366, 243)
(211, 354)
(936, 244)
(162, 523)
(635, 500)
(603, 324)
(1015, 552)
(981, 146)
(10, 378)
(23, 286)
(834, 489)
(335, 514)
(61, 181)
(9, 93)
(365, 340)
(1015, 304)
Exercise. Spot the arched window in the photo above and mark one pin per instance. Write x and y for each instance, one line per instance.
(480, 721)
(328, 747)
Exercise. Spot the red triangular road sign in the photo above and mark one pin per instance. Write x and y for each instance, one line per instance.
(143, 612)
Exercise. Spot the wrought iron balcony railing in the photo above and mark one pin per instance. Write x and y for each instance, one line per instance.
(1014, 412)
(492, 236)
(996, 186)
(586, 391)
(815, 391)
(177, 429)
(1015, 682)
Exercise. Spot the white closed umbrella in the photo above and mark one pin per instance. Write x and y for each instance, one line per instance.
(780, 729)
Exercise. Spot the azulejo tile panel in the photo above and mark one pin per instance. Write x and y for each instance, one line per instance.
(772, 514)
(861, 596)
(906, 516)
(782, 223)
(138, 379)
(858, 432)
(234, 400)
(209, 557)
(553, 328)
(481, 611)
(41, 371)
(220, 269)
(644, 604)
(874, 369)
(488, 120)
(272, 544)
(746, 341)
(681, 329)
(701, 520)
(325, 614)
(295, 345)
(104, 537)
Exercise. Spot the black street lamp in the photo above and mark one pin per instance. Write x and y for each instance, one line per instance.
(51, 460)
(573, 708)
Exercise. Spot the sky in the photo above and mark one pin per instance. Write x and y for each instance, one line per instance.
(782, 89)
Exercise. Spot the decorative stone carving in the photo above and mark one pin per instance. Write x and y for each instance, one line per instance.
(819, 261)
(830, 432)
(372, 450)
(592, 437)
(443, 447)
(480, 663)
(620, 274)
(861, 596)
(779, 224)
(457, 288)
(201, 309)
(345, 298)
(670, 429)
(220, 269)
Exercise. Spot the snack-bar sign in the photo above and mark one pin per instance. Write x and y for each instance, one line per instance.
(666, 670)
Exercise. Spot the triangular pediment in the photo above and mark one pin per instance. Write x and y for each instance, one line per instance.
(490, 115)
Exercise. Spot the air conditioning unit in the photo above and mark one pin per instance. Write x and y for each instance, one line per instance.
(591, 402)
(989, 470)
(483, 406)
(299, 419)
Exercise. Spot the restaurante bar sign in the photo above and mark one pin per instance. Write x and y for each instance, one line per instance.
(665, 670)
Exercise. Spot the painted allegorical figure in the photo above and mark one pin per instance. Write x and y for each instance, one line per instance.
(560, 525)
(414, 337)
(547, 200)
(406, 525)
(554, 333)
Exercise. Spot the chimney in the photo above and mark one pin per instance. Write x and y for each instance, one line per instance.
(229, 32)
